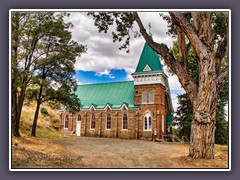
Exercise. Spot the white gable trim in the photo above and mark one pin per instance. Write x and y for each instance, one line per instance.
(124, 105)
(108, 107)
(147, 68)
(92, 107)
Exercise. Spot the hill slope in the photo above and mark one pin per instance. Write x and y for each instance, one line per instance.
(47, 126)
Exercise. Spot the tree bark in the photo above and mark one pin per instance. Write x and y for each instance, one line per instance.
(202, 140)
(39, 101)
(16, 120)
(203, 127)
(34, 126)
(15, 42)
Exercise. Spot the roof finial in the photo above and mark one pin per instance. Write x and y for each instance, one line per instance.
(149, 25)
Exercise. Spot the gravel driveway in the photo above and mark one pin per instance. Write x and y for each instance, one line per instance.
(90, 152)
(118, 153)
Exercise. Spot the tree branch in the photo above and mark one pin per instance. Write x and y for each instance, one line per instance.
(187, 51)
(186, 81)
(222, 78)
(182, 48)
(220, 53)
(200, 48)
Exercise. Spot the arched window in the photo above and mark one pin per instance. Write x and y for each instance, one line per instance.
(78, 117)
(151, 96)
(125, 122)
(144, 97)
(108, 123)
(92, 126)
(147, 122)
(66, 121)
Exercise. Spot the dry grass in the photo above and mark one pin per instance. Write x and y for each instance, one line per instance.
(47, 126)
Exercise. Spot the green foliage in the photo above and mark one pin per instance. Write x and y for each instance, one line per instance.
(176, 131)
(221, 134)
(220, 23)
(44, 111)
(44, 55)
(53, 71)
(183, 115)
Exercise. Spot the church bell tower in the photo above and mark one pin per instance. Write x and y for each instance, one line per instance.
(151, 94)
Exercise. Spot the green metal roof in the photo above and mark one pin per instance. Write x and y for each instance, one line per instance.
(148, 57)
(112, 94)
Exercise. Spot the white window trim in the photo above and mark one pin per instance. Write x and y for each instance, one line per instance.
(64, 122)
(148, 129)
(122, 123)
(77, 118)
(110, 121)
(91, 123)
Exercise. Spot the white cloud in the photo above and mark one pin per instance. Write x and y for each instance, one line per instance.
(174, 82)
(174, 101)
(102, 53)
(78, 82)
(105, 73)
(129, 77)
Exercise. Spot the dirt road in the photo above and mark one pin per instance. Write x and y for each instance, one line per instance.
(84, 152)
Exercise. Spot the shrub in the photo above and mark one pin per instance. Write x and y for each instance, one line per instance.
(44, 111)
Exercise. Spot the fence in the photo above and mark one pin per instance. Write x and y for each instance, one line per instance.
(174, 138)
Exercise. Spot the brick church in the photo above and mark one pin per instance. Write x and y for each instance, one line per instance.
(136, 109)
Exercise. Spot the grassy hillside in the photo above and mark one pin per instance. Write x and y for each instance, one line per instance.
(47, 126)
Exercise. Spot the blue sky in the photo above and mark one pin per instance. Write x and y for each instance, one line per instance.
(91, 77)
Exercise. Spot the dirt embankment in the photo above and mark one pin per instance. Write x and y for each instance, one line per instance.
(83, 152)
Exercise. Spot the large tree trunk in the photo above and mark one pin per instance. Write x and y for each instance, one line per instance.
(202, 138)
(16, 120)
(203, 127)
(14, 108)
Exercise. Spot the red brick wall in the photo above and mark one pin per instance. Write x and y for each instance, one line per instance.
(135, 117)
